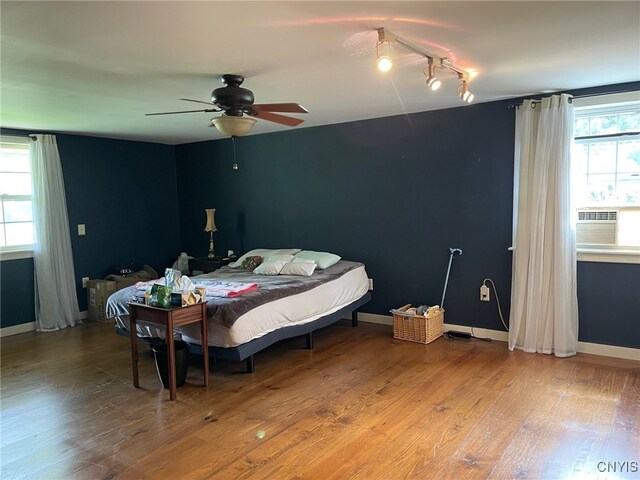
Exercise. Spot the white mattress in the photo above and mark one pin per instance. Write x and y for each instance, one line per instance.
(293, 310)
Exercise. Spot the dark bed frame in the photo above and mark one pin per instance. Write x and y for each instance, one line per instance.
(247, 350)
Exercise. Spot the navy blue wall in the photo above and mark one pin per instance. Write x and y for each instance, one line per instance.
(126, 195)
(394, 193)
(16, 292)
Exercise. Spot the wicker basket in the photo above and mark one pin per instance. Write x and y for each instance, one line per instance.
(417, 328)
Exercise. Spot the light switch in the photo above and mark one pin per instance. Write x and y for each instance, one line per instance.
(81, 230)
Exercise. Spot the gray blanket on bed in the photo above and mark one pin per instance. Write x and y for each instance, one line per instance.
(228, 310)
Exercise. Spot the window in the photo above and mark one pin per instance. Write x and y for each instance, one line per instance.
(16, 221)
(606, 174)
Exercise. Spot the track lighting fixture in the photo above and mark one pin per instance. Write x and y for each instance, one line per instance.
(432, 80)
(463, 90)
(383, 52)
(383, 60)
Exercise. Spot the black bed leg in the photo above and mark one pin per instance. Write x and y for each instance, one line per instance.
(310, 341)
(250, 366)
(354, 318)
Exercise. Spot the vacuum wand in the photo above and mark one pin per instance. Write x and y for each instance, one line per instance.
(454, 251)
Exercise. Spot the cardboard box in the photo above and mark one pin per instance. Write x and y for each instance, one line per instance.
(98, 293)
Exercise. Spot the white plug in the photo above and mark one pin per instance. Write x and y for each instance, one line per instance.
(484, 293)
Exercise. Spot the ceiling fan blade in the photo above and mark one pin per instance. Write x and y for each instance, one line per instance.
(274, 117)
(279, 107)
(207, 110)
(196, 101)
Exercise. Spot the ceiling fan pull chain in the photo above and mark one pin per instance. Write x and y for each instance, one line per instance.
(235, 164)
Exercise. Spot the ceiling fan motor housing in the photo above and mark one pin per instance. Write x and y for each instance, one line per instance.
(232, 98)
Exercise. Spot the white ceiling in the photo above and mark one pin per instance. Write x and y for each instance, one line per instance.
(96, 68)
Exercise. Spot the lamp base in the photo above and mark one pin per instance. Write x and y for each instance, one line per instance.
(211, 254)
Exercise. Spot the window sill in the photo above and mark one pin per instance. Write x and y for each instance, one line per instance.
(15, 254)
(608, 256)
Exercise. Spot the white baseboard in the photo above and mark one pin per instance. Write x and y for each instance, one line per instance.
(583, 347)
(16, 329)
(30, 327)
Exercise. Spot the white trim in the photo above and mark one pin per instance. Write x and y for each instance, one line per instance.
(605, 100)
(596, 255)
(16, 329)
(583, 347)
(15, 254)
(18, 140)
(30, 326)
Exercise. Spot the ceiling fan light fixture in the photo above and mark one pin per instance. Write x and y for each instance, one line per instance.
(232, 126)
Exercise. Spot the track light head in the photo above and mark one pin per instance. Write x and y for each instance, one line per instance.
(463, 91)
(432, 80)
(383, 49)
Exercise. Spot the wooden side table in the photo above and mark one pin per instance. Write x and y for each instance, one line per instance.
(169, 318)
(206, 264)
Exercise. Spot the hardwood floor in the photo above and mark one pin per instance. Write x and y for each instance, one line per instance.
(361, 405)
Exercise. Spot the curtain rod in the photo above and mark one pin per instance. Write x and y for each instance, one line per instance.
(537, 100)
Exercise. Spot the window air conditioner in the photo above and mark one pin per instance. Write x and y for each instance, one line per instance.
(597, 227)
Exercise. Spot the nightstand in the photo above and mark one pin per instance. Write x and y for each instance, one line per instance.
(206, 264)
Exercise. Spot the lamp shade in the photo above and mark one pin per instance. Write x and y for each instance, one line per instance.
(211, 222)
(233, 126)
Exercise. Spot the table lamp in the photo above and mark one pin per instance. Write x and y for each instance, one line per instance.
(210, 227)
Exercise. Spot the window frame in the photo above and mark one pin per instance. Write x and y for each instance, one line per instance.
(15, 252)
(607, 104)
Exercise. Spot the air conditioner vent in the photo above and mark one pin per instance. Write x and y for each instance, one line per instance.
(590, 215)
(597, 227)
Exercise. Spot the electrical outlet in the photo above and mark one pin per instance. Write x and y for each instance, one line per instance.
(81, 229)
(371, 284)
(484, 293)
(85, 282)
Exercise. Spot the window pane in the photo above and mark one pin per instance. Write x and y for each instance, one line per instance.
(602, 157)
(582, 126)
(14, 160)
(630, 122)
(629, 157)
(2, 242)
(601, 188)
(17, 211)
(19, 233)
(629, 190)
(15, 184)
(604, 124)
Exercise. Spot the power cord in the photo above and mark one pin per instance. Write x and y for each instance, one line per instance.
(495, 290)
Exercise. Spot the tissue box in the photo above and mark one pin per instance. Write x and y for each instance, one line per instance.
(98, 293)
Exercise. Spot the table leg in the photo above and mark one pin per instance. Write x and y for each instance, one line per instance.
(205, 345)
(171, 358)
(134, 349)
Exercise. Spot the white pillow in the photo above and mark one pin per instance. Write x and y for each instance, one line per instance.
(303, 260)
(273, 258)
(299, 268)
(263, 252)
(322, 259)
(270, 268)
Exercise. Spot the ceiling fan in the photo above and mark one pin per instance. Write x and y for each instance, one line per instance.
(239, 113)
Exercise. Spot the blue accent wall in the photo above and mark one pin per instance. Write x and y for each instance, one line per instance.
(126, 194)
(394, 193)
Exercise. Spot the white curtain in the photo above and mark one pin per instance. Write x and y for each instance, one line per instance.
(56, 300)
(544, 305)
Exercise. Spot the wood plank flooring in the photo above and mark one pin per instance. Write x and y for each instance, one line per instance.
(361, 405)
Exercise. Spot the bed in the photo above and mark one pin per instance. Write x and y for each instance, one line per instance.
(283, 306)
